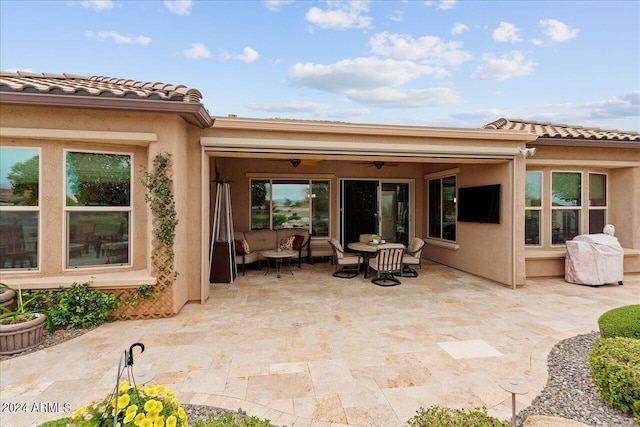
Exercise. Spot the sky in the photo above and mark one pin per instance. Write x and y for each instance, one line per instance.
(440, 63)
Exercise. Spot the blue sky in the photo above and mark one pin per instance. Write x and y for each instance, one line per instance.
(434, 63)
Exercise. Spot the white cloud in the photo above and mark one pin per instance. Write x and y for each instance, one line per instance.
(447, 4)
(342, 15)
(97, 5)
(510, 65)
(15, 70)
(428, 48)
(627, 105)
(405, 98)
(276, 5)
(557, 31)
(118, 38)
(179, 7)
(397, 16)
(459, 28)
(357, 74)
(197, 51)
(248, 55)
(506, 32)
(317, 109)
(536, 42)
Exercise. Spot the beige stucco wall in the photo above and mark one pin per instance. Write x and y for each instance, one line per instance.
(174, 135)
(622, 167)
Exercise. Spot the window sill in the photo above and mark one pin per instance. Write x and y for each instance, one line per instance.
(118, 280)
(442, 244)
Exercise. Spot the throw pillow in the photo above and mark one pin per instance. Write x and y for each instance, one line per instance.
(287, 243)
(239, 248)
(245, 246)
(297, 242)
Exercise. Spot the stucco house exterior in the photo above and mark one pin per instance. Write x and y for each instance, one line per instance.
(74, 149)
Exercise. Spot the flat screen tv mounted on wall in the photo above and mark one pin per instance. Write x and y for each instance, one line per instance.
(479, 204)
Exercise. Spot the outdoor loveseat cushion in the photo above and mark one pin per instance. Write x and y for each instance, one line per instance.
(261, 240)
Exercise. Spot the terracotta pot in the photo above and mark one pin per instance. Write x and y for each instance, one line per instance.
(19, 337)
(7, 297)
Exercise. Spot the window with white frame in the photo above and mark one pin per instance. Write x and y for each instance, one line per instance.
(566, 204)
(442, 207)
(533, 208)
(286, 203)
(597, 202)
(97, 209)
(19, 208)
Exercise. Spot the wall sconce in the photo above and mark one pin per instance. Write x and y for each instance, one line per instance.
(526, 152)
(378, 165)
(295, 162)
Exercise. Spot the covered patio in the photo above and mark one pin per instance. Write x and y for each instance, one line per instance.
(309, 349)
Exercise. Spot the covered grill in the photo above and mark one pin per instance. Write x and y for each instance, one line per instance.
(594, 259)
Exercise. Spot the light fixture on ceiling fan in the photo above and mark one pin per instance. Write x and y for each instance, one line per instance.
(295, 162)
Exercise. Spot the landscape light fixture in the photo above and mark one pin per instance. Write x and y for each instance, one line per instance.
(526, 152)
(295, 162)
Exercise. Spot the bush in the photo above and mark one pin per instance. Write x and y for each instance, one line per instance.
(77, 307)
(621, 322)
(438, 416)
(232, 420)
(615, 367)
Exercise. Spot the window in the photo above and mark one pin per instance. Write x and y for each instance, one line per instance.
(283, 203)
(533, 208)
(442, 208)
(19, 208)
(566, 203)
(97, 209)
(597, 202)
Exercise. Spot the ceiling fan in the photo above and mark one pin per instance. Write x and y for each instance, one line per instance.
(378, 164)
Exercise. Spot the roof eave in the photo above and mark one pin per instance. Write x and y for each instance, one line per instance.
(193, 113)
(587, 143)
(237, 123)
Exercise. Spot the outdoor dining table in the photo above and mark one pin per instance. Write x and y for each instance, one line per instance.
(367, 251)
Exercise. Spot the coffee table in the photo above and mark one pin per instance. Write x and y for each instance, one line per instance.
(278, 257)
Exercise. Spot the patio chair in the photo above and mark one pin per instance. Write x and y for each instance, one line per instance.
(412, 256)
(13, 246)
(387, 263)
(347, 265)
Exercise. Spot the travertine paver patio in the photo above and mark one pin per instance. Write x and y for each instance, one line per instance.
(313, 350)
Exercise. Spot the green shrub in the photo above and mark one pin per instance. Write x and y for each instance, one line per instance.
(615, 367)
(77, 307)
(232, 420)
(62, 422)
(438, 416)
(621, 322)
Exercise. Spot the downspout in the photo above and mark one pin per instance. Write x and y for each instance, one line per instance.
(513, 224)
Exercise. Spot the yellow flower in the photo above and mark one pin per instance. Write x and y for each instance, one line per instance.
(138, 419)
(130, 416)
(78, 412)
(150, 405)
(123, 401)
(159, 406)
(161, 388)
(181, 413)
(146, 423)
(124, 387)
(132, 408)
(159, 422)
(152, 415)
(150, 390)
(172, 421)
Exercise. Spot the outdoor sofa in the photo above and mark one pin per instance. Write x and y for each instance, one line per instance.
(249, 244)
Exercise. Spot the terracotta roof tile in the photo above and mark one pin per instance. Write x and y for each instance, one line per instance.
(562, 131)
(71, 84)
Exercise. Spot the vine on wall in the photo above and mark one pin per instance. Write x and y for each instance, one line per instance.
(160, 199)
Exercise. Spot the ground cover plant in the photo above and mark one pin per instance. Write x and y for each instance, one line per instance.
(440, 416)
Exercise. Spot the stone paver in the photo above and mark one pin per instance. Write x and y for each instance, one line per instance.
(314, 350)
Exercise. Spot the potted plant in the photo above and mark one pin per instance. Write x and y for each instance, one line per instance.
(7, 297)
(20, 329)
